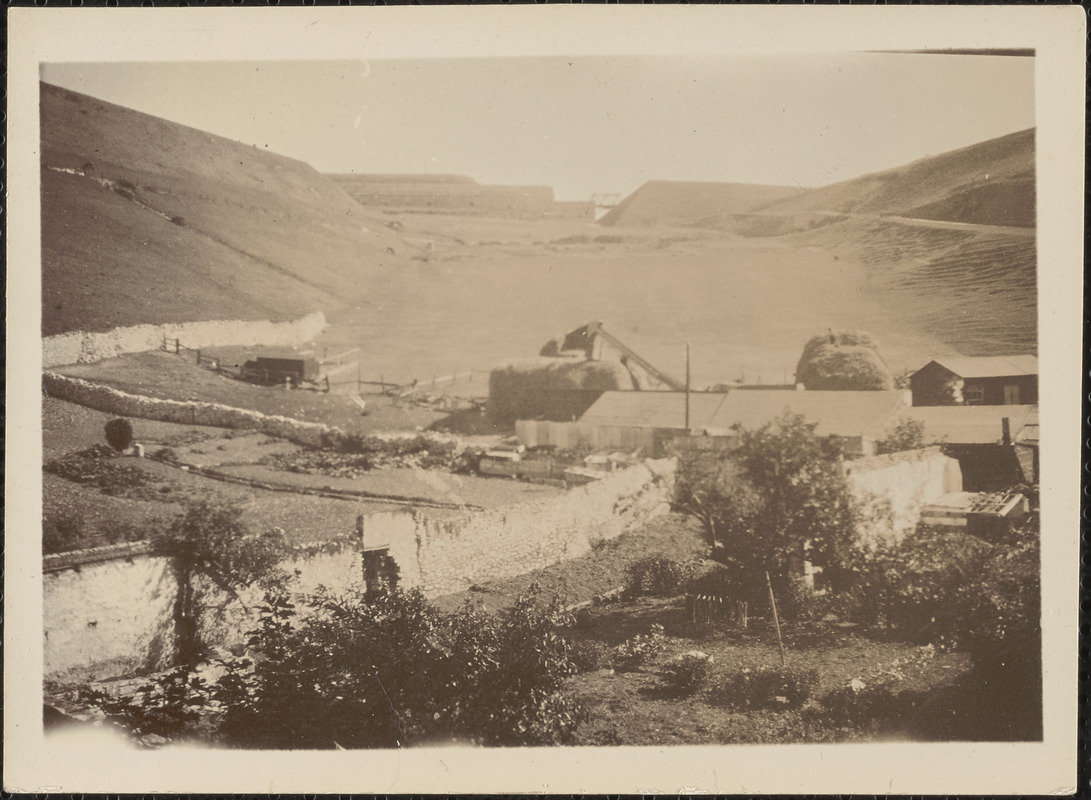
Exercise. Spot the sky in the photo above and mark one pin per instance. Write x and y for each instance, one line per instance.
(586, 125)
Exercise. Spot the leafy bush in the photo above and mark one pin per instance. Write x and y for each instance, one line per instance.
(657, 576)
(164, 707)
(640, 649)
(688, 673)
(119, 433)
(954, 589)
(780, 494)
(857, 704)
(768, 687)
(394, 671)
(589, 655)
(61, 534)
(906, 435)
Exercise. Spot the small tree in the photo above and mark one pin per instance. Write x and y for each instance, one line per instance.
(908, 434)
(119, 433)
(214, 542)
(779, 497)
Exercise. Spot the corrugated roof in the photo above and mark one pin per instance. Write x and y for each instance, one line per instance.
(990, 366)
(866, 414)
(653, 409)
(843, 413)
(971, 424)
(1029, 434)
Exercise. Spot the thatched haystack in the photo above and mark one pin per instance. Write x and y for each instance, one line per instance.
(551, 388)
(843, 361)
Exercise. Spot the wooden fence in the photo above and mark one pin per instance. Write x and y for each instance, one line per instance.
(203, 359)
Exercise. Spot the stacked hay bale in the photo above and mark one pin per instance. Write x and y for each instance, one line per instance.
(843, 361)
(559, 389)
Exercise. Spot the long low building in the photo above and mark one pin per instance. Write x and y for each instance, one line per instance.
(996, 445)
(859, 418)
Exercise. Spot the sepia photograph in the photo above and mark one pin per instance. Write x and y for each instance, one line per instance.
(548, 405)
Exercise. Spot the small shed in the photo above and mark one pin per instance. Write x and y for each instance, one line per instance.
(268, 370)
(989, 381)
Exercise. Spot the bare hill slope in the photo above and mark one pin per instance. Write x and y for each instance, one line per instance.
(682, 202)
(148, 221)
(991, 183)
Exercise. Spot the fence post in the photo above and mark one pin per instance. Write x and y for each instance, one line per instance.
(177, 346)
(776, 619)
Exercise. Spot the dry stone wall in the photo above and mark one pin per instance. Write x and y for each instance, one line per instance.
(80, 347)
(114, 401)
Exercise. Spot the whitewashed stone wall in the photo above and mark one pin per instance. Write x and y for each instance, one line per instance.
(114, 617)
(80, 347)
(114, 401)
(448, 553)
(909, 480)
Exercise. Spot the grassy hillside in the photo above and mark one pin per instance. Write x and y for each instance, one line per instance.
(974, 288)
(147, 221)
(991, 183)
(681, 202)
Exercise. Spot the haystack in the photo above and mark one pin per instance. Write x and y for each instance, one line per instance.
(843, 361)
(551, 388)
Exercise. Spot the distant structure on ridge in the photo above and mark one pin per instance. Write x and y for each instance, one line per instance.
(458, 194)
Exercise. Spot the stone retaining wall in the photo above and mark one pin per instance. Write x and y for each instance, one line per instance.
(114, 401)
(80, 347)
(909, 480)
(107, 618)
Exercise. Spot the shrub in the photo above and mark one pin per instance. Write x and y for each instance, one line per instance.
(61, 534)
(657, 576)
(163, 707)
(688, 673)
(857, 704)
(768, 687)
(780, 495)
(119, 433)
(906, 435)
(640, 649)
(393, 670)
(589, 655)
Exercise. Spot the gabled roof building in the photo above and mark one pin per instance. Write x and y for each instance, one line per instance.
(988, 381)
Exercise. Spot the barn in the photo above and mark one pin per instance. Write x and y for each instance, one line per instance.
(988, 381)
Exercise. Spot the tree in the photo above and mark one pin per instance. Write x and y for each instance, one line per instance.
(778, 498)
(215, 543)
(908, 434)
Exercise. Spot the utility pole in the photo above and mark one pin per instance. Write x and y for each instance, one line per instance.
(687, 387)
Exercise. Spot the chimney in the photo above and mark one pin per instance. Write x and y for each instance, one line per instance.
(1005, 424)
